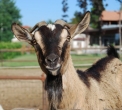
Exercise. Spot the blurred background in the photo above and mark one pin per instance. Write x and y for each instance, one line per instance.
(18, 58)
(104, 28)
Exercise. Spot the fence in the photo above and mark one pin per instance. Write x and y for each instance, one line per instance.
(23, 86)
(28, 50)
(22, 91)
(91, 50)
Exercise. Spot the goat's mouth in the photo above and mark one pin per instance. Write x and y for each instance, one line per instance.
(53, 70)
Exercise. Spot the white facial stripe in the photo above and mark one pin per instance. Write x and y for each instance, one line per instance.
(64, 35)
(35, 30)
(51, 26)
(39, 39)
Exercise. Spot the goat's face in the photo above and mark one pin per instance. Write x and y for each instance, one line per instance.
(51, 42)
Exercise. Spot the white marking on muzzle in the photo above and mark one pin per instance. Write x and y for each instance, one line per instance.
(57, 66)
(54, 72)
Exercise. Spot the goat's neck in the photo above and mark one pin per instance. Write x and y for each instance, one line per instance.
(53, 85)
(70, 76)
(64, 86)
(73, 87)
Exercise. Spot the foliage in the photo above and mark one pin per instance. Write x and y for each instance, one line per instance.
(65, 9)
(83, 5)
(120, 1)
(49, 21)
(9, 13)
(96, 10)
(77, 59)
(9, 45)
(77, 17)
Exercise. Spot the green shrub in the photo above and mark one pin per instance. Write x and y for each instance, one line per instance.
(9, 45)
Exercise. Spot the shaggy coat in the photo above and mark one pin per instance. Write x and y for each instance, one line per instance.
(97, 88)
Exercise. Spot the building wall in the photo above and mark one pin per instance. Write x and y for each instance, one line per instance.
(80, 41)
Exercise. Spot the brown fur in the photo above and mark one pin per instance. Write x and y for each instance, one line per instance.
(105, 94)
(97, 88)
(66, 56)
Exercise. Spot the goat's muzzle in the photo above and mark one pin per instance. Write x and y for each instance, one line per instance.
(53, 63)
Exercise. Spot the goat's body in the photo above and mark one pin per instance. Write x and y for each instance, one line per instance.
(97, 88)
(104, 93)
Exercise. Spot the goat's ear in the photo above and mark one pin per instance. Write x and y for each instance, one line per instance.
(21, 33)
(77, 29)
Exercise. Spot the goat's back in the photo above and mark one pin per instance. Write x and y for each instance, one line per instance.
(106, 93)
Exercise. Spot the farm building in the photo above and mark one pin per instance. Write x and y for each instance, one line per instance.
(110, 29)
(110, 32)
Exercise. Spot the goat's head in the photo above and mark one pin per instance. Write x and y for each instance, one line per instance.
(51, 41)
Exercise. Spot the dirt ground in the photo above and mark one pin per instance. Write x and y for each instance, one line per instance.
(21, 93)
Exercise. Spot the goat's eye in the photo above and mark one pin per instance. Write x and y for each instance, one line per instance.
(68, 38)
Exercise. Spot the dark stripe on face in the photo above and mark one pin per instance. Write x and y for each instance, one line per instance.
(53, 84)
(40, 54)
(64, 50)
(40, 57)
(51, 39)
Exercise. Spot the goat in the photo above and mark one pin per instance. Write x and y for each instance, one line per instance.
(96, 88)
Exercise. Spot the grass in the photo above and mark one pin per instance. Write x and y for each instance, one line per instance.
(31, 60)
(23, 60)
(86, 58)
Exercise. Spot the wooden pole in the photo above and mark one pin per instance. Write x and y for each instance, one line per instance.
(120, 37)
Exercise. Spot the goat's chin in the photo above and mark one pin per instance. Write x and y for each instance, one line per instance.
(54, 71)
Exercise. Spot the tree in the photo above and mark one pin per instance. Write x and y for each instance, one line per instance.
(77, 17)
(50, 21)
(83, 5)
(9, 13)
(64, 9)
(96, 10)
(120, 1)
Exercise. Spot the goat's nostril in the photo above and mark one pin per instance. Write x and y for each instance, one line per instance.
(51, 58)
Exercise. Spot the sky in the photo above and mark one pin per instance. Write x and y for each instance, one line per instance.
(34, 11)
